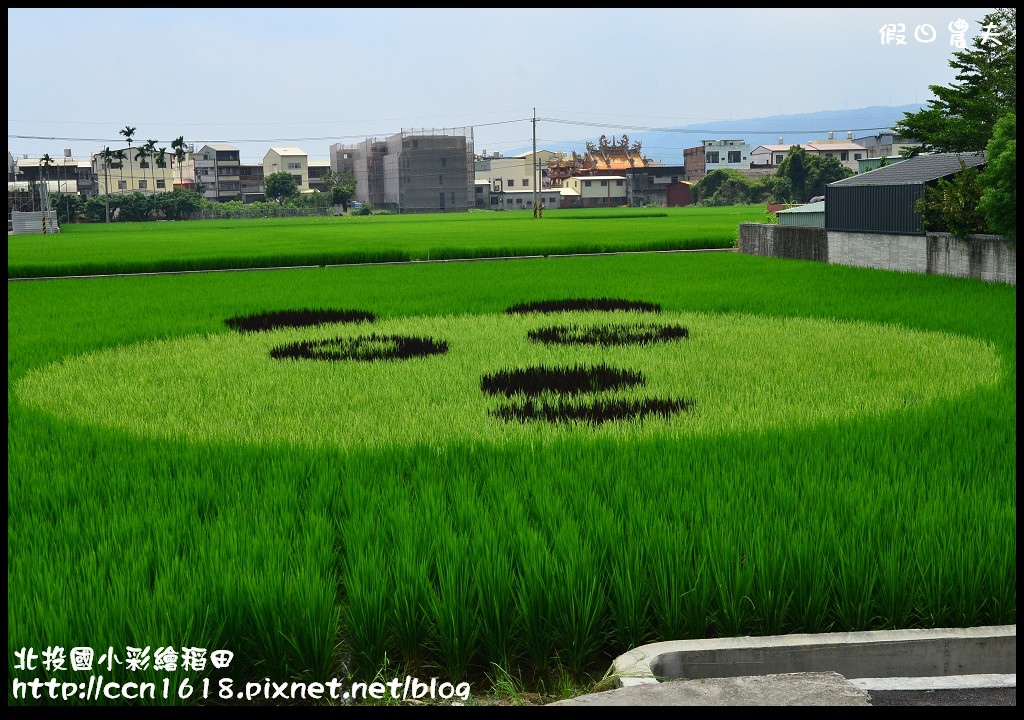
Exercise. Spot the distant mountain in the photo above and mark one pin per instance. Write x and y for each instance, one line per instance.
(667, 145)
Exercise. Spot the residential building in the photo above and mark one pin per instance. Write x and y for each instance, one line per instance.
(715, 155)
(886, 144)
(250, 179)
(317, 169)
(846, 152)
(513, 174)
(594, 191)
(217, 170)
(290, 160)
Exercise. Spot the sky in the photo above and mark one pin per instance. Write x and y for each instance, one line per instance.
(309, 78)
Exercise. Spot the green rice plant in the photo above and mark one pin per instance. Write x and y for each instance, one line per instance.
(628, 594)
(537, 573)
(495, 584)
(577, 601)
(454, 607)
(366, 591)
(847, 419)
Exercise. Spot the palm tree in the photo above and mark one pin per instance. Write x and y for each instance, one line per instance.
(128, 133)
(120, 156)
(107, 155)
(141, 153)
(178, 145)
(161, 162)
(151, 152)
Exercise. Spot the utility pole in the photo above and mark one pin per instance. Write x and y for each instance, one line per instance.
(535, 162)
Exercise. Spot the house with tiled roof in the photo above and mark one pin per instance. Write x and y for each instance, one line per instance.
(847, 152)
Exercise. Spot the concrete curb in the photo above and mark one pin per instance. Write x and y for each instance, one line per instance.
(989, 651)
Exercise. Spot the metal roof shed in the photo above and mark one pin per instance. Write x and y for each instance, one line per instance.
(884, 200)
(809, 215)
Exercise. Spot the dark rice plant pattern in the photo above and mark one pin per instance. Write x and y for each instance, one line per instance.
(362, 348)
(635, 334)
(273, 320)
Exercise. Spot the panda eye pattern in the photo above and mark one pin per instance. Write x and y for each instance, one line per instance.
(275, 320)
(584, 305)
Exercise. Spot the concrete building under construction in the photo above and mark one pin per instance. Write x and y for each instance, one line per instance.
(414, 171)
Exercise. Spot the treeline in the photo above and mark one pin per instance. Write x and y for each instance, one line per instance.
(801, 176)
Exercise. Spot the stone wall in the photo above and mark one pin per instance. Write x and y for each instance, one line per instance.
(985, 257)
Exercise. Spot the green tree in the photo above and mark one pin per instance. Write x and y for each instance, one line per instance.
(178, 146)
(129, 133)
(151, 154)
(45, 162)
(794, 168)
(805, 175)
(821, 171)
(160, 156)
(120, 157)
(179, 204)
(340, 186)
(999, 179)
(953, 205)
(279, 186)
(962, 116)
(135, 207)
(141, 153)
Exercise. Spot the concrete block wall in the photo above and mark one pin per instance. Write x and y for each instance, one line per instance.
(985, 257)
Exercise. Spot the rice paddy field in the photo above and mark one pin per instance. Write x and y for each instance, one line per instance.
(216, 245)
(475, 471)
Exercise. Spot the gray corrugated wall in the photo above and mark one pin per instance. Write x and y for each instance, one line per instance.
(874, 208)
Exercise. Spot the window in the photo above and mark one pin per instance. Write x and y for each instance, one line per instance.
(519, 201)
(440, 179)
(586, 183)
(712, 158)
(294, 166)
(453, 198)
(161, 184)
(778, 159)
(856, 156)
(618, 183)
(844, 156)
(444, 162)
(143, 164)
(122, 184)
(526, 182)
(298, 180)
(511, 183)
(604, 183)
(734, 156)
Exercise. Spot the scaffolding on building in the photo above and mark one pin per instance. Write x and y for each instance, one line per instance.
(413, 171)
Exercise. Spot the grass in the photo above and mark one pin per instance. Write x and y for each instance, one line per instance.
(870, 484)
(218, 244)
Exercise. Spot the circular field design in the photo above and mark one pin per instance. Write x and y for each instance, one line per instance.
(733, 373)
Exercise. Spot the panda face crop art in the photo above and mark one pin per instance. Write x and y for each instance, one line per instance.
(540, 372)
